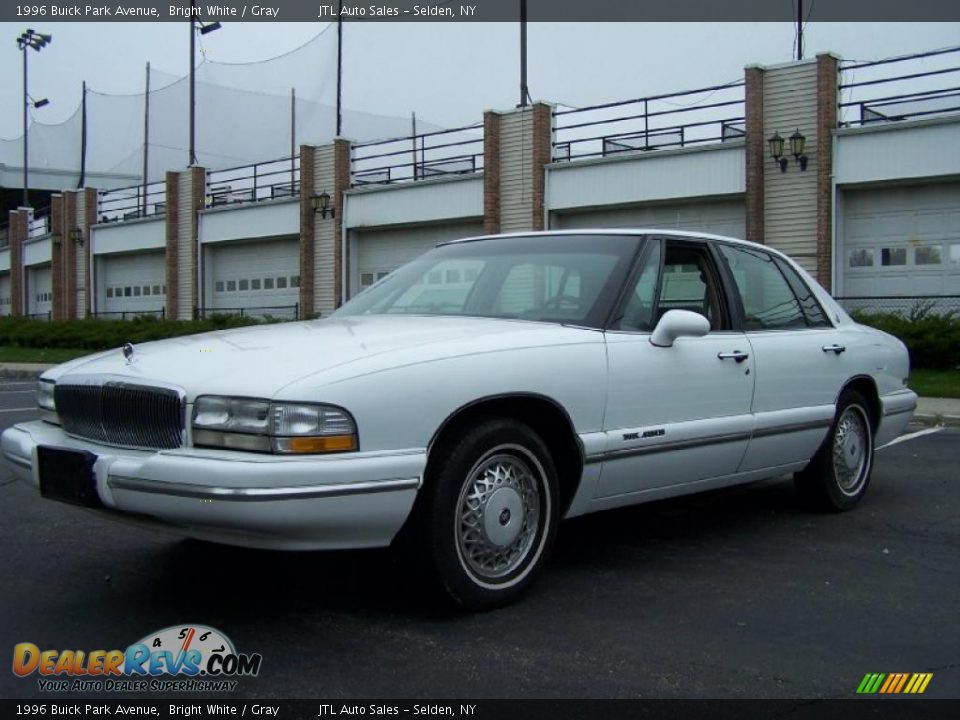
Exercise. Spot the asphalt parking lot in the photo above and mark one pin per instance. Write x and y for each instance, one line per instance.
(735, 593)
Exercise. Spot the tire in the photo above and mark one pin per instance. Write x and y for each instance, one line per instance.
(490, 513)
(839, 474)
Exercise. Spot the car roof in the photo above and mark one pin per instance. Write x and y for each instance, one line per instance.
(616, 231)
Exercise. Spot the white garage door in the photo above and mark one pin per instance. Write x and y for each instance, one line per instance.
(261, 277)
(4, 294)
(721, 217)
(131, 283)
(39, 290)
(381, 251)
(901, 241)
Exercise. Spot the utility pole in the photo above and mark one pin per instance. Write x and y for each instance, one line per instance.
(799, 29)
(524, 92)
(339, 69)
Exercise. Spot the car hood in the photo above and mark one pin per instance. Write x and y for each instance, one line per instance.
(259, 361)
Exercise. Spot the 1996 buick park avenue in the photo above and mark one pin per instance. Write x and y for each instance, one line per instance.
(471, 399)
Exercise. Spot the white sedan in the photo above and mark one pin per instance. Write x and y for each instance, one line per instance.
(473, 398)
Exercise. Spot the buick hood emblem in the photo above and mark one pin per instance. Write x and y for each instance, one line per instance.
(128, 351)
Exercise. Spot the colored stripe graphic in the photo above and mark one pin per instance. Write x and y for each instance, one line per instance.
(894, 683)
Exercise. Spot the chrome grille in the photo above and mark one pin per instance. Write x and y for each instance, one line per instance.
(119, 413)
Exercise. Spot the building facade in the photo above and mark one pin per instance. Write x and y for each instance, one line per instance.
(864, 193)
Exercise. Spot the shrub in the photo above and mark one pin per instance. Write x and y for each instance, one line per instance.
(933, 339)
(97, 334)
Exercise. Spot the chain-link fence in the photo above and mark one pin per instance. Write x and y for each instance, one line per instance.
(907, 305)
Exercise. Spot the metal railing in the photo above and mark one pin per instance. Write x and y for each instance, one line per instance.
(907, 306)
(130, 203)
(130, 314)
(901, 88)
(48, 315)
(650, 123)
(444, 153)
(268, 180)
(39, 224)
(273, 312)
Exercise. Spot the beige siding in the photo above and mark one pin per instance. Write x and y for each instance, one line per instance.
(516, 169)
(185, 247)
(324, 271)
(790, 103)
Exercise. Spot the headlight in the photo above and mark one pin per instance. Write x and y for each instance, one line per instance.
(279, 427)
(46, 402)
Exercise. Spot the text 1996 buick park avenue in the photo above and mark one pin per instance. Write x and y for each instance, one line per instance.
(476, 396)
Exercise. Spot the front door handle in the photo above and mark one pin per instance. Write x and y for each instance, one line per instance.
(735, 355)
(834, 348)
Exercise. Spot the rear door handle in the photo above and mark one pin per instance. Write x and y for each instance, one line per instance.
(735, 355)
(834, 348)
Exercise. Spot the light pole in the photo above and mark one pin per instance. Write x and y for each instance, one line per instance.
(35, 40)
(195, 26)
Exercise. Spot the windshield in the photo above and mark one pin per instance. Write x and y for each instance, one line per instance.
(570, 279)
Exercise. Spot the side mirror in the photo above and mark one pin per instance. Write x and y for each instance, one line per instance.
(678, 323)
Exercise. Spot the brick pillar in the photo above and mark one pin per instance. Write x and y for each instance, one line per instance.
(185, 193)
(827, 98)
(57, 268)
(172, 219)
(341, 183)
(308, 156)
(85, 253)
(71, 199)
(491, 172)
(756, 148)
(322, 169)
(517, 148)
(542, 151)
(18, 235)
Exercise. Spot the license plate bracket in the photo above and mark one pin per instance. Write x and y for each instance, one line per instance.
(67, 475)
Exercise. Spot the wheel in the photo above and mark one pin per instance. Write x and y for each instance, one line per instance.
(491, 513)
(837, 477)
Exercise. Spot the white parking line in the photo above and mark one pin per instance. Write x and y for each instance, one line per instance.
(16, 392)
(911, 436)
(18, 409)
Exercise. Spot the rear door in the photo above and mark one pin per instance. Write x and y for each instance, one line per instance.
(800, 358)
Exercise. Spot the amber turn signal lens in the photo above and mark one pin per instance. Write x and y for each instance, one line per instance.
(331, 443)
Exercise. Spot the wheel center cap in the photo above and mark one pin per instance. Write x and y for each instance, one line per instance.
(853, 453)
(503, 516)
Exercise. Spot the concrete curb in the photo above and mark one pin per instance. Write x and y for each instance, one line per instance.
(23, 371)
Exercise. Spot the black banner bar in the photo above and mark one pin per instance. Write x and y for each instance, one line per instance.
(581, 11)
(887, 709)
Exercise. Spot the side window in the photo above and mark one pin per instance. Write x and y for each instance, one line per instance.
(637, 312)
(690, 282)
(812, 311)
(768, 301)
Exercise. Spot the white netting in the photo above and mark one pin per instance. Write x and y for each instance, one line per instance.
(243, 115)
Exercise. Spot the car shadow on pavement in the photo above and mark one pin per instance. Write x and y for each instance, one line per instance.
(362, 582)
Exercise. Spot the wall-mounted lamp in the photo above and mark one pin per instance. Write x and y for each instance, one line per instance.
(321, 204)
(76, 234)
(797, 143)
(776, 151)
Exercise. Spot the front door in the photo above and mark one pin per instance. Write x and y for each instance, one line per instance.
(676, 414)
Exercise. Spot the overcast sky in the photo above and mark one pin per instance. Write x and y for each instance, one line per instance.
(447, 73)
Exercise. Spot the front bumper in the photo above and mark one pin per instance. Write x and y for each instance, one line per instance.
(351, 500)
